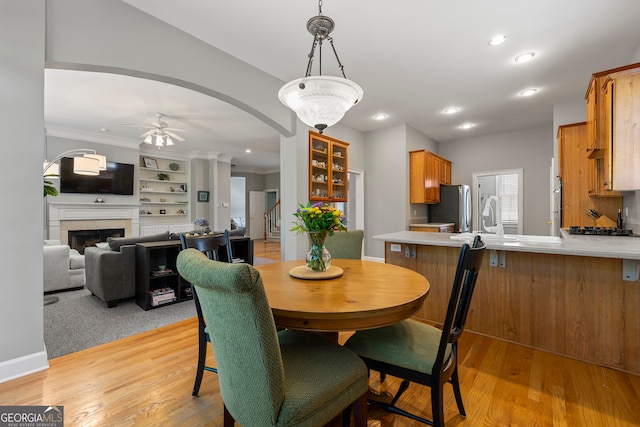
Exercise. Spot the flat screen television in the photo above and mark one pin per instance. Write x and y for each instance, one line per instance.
(117, 179)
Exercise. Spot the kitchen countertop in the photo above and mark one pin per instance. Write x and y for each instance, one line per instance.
(626, 247)
(433, 224)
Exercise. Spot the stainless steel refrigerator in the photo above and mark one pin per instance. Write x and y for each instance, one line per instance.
(454, 206)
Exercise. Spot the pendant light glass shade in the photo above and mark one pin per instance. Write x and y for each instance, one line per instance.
(320, 101)
(86, 166)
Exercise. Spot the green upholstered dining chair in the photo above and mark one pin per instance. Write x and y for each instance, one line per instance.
(345, 244)
(421, 353)
(216, 247)
(270, 378)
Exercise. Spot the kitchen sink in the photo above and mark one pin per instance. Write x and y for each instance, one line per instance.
(508, 238)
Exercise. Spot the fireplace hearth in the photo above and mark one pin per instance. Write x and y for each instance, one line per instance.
(81, 239)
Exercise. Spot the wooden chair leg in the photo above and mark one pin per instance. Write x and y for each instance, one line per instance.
(456, 391)
(202, 354)
(437, 405)
(360, 411)
(228, 419)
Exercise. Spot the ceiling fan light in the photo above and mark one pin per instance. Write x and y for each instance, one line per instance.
(148, 139)
(159, 141)
(86, 166)
(169, 140)
(320, 101)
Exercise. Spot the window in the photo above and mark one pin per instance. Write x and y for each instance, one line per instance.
(507, 189)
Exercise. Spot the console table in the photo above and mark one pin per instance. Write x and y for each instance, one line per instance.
(156, 288)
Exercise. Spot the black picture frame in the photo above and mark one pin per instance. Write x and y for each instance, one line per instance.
(203, 196)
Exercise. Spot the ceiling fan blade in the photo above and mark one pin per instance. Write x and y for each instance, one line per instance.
(135, 126)
(149, 132)
(173, 135)
(176, 130)
(158, 124)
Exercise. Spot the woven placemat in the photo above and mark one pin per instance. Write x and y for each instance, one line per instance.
(303, 272)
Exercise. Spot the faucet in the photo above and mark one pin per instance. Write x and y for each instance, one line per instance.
(498, 229)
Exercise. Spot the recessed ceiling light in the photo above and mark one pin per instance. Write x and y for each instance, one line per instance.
(380, 116)
(466, 126)
(524, 57)
(104, 130)
(248, 150)
(497, 40)
(451, 110)
(529, 92)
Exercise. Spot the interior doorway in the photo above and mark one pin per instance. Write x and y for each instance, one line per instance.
(256, 214)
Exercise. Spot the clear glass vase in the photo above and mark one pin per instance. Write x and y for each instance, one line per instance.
(318, 258)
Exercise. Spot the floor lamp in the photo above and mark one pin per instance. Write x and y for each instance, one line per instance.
(85, 162)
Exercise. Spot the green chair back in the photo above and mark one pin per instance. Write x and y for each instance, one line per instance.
(291, 378)
(345, 244)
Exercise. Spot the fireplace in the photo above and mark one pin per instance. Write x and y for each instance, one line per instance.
(81, 239)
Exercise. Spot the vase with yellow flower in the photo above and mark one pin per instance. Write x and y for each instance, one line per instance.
(318, 221)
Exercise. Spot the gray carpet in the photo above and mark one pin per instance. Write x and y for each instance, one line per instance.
(79, 320)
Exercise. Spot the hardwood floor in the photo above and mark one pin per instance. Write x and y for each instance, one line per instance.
(270, 250)
(146, 380)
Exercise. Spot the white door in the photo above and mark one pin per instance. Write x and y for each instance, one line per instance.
(256, 214)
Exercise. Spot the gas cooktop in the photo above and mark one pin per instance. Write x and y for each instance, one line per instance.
(599, 231)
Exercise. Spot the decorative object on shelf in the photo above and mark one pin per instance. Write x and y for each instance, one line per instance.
(318, 221)
(159, 132)
(163, 176)
(174, 166)
(183, 187)
(99, 200)
(163, 211)
(150, 163)
(320, 101)
(203, 196)
(181, 212)
(203, 224)
(90, 163)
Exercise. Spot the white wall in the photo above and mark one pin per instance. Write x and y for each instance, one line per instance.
(386, 191)
(21, 215)
(530, 149)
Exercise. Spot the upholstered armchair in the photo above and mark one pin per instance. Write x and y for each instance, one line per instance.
(63, 267)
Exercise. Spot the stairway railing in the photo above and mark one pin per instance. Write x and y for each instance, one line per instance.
(272, 221)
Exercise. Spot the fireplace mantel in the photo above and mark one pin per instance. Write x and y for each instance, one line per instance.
(61, 212)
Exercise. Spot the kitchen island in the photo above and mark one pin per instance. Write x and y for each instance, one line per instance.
(578, 297)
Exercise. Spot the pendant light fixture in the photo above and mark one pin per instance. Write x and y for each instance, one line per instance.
(320, 101)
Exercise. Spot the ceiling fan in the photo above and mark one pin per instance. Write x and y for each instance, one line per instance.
(159, 132)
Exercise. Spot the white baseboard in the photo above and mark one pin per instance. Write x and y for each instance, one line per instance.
(370, 258)
(21, 366)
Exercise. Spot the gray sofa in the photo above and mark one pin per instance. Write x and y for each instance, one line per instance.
(111, 269)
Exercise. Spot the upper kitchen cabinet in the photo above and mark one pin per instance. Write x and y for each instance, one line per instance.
(574, 169)
(613, 108)
(626, 130)
(427, 171)
(328, 168)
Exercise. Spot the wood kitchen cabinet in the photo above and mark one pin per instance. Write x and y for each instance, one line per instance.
(613, 108)
(328, 168)
(574, 169)
(427, 171)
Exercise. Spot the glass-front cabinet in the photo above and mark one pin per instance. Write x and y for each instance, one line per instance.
(328, 168)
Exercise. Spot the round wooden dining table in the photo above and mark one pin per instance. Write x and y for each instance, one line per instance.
(367, 295)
